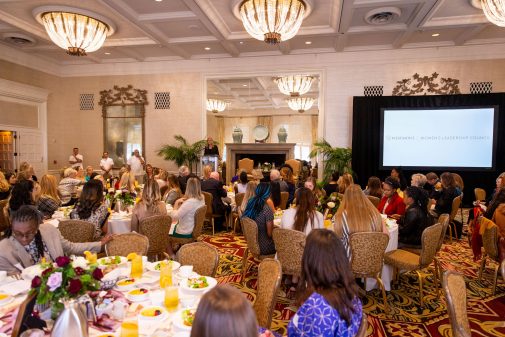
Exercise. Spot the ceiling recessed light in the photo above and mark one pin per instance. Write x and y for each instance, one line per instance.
(207, 48)
(308, 42)
(435, 34)
(107, 53)
(244, 85)
(158, 0)
(241, 42)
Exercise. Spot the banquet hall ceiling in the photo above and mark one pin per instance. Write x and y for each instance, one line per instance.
(150, 30)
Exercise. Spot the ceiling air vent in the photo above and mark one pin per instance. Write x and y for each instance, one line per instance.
(19, 40)
(383, 15)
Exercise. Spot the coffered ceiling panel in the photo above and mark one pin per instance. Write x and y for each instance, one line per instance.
(152, 6)
(448, 34)
(456, 8)
(181, 29)
(371, 39)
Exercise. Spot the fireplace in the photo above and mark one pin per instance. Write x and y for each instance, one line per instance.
(276, 153)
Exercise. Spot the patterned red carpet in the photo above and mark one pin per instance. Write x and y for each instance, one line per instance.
(406, 318)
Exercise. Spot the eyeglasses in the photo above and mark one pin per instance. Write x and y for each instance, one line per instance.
(27, 235)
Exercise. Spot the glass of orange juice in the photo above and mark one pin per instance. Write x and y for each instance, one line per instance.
(165, 274)
(171, 298)
(137, 267)
(129, 329)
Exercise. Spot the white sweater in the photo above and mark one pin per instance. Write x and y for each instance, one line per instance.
(288, 220)
(186, 215)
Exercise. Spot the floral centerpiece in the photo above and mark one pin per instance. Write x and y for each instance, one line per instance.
(266, 167)
(65, 279)
(328, 205)
(124, 197)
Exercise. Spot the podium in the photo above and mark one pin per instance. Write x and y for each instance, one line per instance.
(212, 160)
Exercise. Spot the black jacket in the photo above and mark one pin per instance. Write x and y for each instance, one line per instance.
(215, 188)
(412, 224)
(444, 200)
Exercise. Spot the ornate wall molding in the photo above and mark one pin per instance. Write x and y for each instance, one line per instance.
(423, 85)
(122, 96)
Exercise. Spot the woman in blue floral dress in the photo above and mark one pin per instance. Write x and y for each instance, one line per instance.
(328, 294)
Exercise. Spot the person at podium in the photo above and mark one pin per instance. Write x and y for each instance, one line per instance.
(210, 148)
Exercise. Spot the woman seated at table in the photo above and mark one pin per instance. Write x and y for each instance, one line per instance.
(174, 191)
(250, 192)
(311, 184)
(49, 200)
(5, 187)
(162, 178)
(418, 180)
(287, 176)
(25, 192)
(127, 181)
(332, 185)
(327, 292)
(356, 214)
(185, 209)
(206, 171)
(149, 175)
(397, 173)
(241, 186)
(303, 217)
(344, 182)
(91, 207)
(89, 172)
(68, 186)
(150, 204)
(415, 219)
(391, 203)
(224, 311)
(446, 195)
(258, 210)
(274, 201)
(373, 187)
(27, 241)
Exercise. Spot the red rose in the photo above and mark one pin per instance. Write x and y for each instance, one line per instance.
(79, 271)
(97, 274)
(36, 282)
(62, 261)
(47, 271)
(74, 286)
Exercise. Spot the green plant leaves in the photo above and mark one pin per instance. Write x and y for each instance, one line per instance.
(334, 158)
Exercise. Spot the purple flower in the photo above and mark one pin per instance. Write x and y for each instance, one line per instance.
(62, 261)
(54, 281)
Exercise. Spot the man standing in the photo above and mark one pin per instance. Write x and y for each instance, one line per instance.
(75, 160)
(137, 163)
(106, 164)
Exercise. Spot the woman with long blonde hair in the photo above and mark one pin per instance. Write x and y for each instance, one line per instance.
(49, 199)
(150, 204)
(356, 214)
(207, 170)
(344, 182)
(5, 187)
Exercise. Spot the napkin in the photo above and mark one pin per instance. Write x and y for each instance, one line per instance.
(115, 273)
(16, 287)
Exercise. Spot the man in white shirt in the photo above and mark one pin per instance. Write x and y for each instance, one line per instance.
(75, 160)
(106, 164)
(137, 163)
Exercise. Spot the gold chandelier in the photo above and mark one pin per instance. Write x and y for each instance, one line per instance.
(75, 30)
(294, 85)
(272, 21)
(494, 11)
(215, 105)
(300, 104)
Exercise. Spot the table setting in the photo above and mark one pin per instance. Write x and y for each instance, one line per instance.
(123, 296)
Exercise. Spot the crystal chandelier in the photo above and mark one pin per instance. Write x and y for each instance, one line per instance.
(294, 85)
(75, 30)
(272, 21)
(300, 104)
(494, 11)
(215, 105)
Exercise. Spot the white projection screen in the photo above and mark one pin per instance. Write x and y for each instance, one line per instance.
(442, 138)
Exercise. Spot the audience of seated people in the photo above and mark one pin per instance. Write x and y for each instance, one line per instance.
(149, 204)
(391, 203)
(416, 217)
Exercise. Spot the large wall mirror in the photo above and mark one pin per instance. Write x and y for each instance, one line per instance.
(123, 112)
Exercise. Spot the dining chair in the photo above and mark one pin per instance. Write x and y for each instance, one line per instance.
(363, 326)
(367, 257)
(284, 200)
(490, 245)
(235, 216)
(456, 202)
(246, 164)
(407, 261)
(480, 194)
(197, 230)
(77, 230)
(250, 229)
(126, 243)
(203, 257)
(289, 244)
(455, 296)
(156, 229)
(210, 216)
(24, 313)
(374, 200)
(269, 280)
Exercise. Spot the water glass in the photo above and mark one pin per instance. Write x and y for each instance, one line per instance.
(137, 267)
(171, 298)
(165, 274)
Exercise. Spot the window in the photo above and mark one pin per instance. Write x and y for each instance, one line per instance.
(302, 151)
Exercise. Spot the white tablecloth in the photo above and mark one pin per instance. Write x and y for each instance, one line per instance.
(119, 225)
(387, 271)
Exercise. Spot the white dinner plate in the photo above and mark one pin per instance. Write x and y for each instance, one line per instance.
(178, 320)
(30, 272)
(152, 266)
(212, 282)
(106, 261)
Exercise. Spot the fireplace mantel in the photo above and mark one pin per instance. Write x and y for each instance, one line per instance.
(232, 149)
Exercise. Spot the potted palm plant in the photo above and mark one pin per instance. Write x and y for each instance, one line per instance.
(334, 158)
(184, 153)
